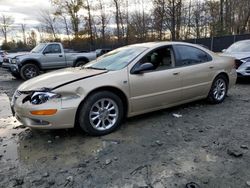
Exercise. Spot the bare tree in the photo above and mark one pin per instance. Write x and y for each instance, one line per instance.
(48, 21)
(5, 24)
(140, 22)
(159, 17)
(104, 19)
(117, 19)
(23, 27)
(89, 22)
(72, 8)
(63, 17)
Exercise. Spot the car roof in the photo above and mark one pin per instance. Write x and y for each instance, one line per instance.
(159, 44)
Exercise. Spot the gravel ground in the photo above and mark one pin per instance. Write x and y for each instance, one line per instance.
(209, 145)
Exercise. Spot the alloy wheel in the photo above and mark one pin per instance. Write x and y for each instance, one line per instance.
(30, 72)
(219, 90)
(103, 114)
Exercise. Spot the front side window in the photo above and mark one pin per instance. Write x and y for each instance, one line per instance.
(188, 55)
(38, 48)
(53, 49)
(161, 58)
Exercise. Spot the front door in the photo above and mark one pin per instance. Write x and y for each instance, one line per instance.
(160, 87)
(53, 57)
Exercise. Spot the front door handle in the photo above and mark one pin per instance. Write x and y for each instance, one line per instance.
(176, 73)
(211, 67)
(60, 55)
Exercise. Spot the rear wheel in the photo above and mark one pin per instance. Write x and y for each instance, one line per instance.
(29, 71)
(218, 90)
(101, 113)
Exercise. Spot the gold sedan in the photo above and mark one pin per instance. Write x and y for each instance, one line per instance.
(128, 81)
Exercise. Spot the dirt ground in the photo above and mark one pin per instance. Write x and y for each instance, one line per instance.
(209, 145)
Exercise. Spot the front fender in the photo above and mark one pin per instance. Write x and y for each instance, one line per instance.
(29, 60)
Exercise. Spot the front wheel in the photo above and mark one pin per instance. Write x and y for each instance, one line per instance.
(218, 90)
(80, 63)
(29, 71)
(101, 113)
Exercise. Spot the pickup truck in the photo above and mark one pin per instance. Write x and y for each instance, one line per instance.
(46, 56)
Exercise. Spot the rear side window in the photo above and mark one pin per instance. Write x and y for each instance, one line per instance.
(188, 55)
(53, 49)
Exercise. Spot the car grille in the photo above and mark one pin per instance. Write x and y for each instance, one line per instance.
(6, 60)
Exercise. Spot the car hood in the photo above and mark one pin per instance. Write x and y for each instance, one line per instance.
(58, 78)
(238, 55)
(15, 55)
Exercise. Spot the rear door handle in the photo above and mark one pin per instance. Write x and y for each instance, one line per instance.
(176, 73)
(211, 67)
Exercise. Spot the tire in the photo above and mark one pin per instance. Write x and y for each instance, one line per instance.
(29, 71)
(16, 75)
(219, 89)
(101, 121)
(80, 63)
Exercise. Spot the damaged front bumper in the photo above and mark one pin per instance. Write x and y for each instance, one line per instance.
(23, 111)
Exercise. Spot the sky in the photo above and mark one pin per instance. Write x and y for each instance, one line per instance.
(24, 11)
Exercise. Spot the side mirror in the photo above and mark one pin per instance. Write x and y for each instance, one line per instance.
(143, 67)
(224, 50)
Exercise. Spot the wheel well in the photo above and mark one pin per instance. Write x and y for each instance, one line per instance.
(81, 59)
(114, 90)
(31, 62)
(225, 75)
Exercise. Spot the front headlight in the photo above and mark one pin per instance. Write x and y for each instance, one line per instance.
(13, 61)
(42, 97)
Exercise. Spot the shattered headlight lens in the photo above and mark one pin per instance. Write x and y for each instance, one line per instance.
(42, 97)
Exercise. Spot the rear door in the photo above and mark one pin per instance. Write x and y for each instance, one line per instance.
(160, 87)
(53, 57)
(196, 69)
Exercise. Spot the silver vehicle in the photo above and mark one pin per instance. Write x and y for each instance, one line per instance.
(47, 56)
(2, 56)
(7, 59)
(241, 51)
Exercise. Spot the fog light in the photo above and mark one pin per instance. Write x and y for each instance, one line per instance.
(48, 112)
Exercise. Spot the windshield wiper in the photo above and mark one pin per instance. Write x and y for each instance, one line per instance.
(95, 68)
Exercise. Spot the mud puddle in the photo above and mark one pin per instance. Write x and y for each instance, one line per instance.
(55, 148)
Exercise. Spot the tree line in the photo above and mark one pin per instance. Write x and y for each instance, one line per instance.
(101, 23)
